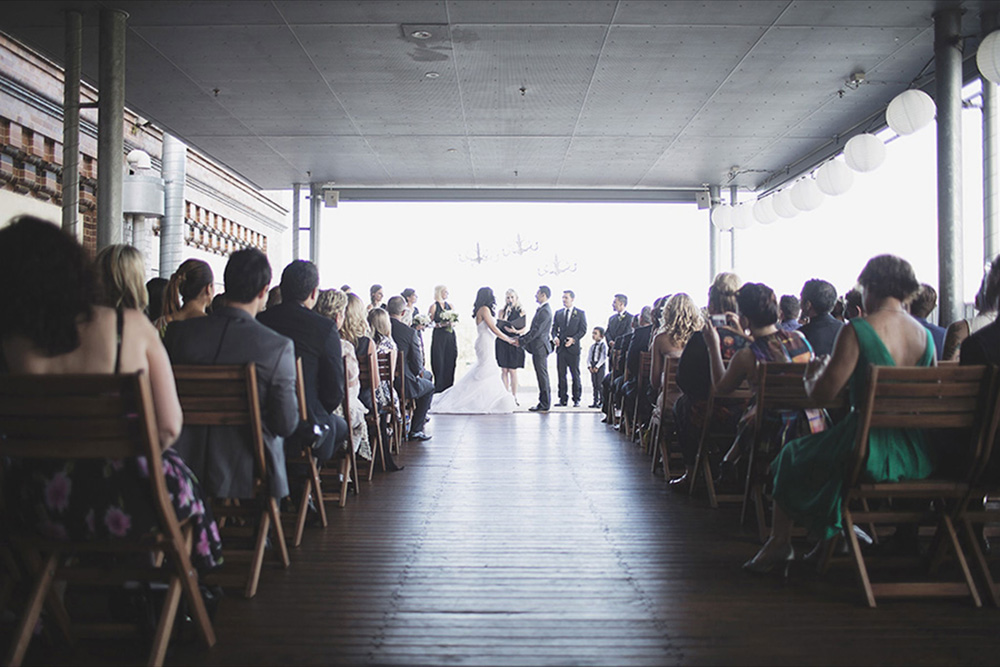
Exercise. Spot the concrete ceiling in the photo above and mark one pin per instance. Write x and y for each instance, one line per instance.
(511, 96)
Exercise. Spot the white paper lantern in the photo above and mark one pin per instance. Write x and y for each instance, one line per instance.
(865, 152)
(783, 204)
(910, 111)
(834, 178)
(743, 216)
(988, 56)
(806, 195)
(763, 211)
(722, 217)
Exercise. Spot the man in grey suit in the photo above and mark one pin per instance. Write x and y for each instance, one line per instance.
(538, 342)
(221, 456)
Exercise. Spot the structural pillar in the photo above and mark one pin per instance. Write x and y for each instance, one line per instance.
(315, 202)
(714, 236)
(948, 94)
(991, 153)
(733, 195)
(174, 161)
(296, 221)
(71, 126)
(110, 127)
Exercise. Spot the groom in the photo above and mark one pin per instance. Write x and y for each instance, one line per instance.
(538, 343)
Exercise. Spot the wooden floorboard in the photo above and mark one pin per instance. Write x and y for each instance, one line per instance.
(544, 540)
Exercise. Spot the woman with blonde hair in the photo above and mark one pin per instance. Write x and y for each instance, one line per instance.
(329, 302)
(373, 335)
(512, 321)
(333, 303)
(121, 278)
(193, 282)
(680, 318)
(444, 347)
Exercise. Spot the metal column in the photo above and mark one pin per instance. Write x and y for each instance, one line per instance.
(296, 221)
(948, 61)
(714, 237)
(71, 126)
(174, 160)
(315, 202)
(110, 128)
(991, 154)
(733, 194)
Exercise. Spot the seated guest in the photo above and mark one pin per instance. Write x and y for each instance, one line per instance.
(923, 305)
(641, 338)
(987, 301)
(680, 320)
(790, 309)
(853, 305)
(759, 308)
(410, 295)
(52, 328)
(220, 456)
(375, 291)
(818, 299)
(193, 283)
(118, 268)
(333, 304)
(419, 387)
(317, 342)
(694, 369)
(273, 297)
(381, 341)
(155, 288)
(809, 472)
(838, 310)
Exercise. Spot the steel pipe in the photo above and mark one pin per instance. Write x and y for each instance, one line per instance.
(110, 127)
(70, 180)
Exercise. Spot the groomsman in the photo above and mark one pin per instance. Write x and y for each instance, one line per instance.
(621, 322)
(569, 325)
(538, 343)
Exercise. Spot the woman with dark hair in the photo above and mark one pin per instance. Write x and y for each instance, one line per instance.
(189, 293)
(49, 326)
(480, 390)
(987, 302)
(759, 310)
(809, 472)
(155, 289)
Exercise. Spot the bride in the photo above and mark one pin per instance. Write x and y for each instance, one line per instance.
(480, 390)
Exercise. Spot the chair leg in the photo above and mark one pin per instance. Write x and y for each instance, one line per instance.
(345, 475)
(858, 558)
(163, 629)
(317, 491)
(300, 515)
(962, 562)
(30, 618)
(257, 560)
(279, 532)
(984, 567)
(188, 579)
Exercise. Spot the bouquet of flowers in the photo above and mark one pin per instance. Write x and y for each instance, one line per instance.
(421, 320)
(448, 318)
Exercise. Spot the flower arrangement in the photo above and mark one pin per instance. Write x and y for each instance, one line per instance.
(420, 320)
(448, 318)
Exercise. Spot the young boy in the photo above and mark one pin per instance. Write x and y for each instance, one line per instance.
(597, 358)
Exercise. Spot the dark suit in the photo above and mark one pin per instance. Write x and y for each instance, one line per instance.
(317, 342)
(539, 344)
(221, 456)
(418, 386)
(563, 328)
(821, 332)
(937, 333)
(640, 343)
(618, 325)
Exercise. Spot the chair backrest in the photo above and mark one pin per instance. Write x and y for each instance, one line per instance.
(223, 395)
(300, 391)
(781, 386)
(935, 397)
(645, 364)
(401, 376)
(84, 417)
(370, 375)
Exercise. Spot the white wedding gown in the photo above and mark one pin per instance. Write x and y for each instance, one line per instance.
(480, 391)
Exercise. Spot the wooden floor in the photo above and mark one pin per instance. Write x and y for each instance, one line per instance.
(544, 540)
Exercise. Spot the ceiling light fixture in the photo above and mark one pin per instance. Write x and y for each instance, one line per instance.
(420, 34)
(431, 75)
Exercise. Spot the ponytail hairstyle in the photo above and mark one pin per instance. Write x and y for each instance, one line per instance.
(188, 281)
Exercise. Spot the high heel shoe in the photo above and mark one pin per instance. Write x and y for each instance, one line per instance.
(779, 559)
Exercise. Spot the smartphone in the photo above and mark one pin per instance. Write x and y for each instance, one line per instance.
(718, 321)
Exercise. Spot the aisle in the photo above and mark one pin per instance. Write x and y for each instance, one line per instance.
(543, 539)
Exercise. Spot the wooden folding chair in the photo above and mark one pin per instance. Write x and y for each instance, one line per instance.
(66, 417)
(311, 487)
(347, 472)
(942, 398)
(226, 395)
(780, 387)
(369, 377)
(663, 429)
(634, 428)
(615, 364)
(395, 419)
(406, 404)
(718, 432)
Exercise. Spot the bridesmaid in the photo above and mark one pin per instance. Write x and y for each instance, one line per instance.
(444, 348)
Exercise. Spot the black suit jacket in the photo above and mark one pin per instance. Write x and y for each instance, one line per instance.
(537, 339)
(982, 347)
(575, 328)
(317, 341)
(618, 325)
(640, 343)
(821, 332)
(406, 342)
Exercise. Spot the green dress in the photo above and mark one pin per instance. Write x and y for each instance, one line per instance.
(810, 472)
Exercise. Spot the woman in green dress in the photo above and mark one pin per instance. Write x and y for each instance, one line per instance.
(809, 473)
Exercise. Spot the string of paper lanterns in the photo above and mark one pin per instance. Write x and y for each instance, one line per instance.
(910, 111)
